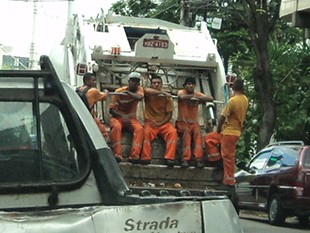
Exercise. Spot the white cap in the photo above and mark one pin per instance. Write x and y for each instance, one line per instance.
(134, 75)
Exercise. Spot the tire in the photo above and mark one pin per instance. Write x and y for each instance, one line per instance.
(276, 214)
(303, 220)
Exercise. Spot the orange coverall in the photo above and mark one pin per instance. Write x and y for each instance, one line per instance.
(187, 124)
(156, 110)
(93, 96)
(234, 112)
(126, 105)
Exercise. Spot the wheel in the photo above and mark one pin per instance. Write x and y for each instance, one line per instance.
(276, 214)
(303, 220)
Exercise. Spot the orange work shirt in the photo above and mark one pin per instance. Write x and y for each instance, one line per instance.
(235, 112)
(157, 107)
(188, 109)
(125, 104)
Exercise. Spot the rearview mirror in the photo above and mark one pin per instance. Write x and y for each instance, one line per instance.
(242, 165)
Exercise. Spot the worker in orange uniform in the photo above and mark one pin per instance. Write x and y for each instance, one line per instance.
(187, 122)
(157, 115)
(93, 96)
(228, 132)
(123, 108)
(212, 142)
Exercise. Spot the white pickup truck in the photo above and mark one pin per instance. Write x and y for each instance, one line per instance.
(59, 175)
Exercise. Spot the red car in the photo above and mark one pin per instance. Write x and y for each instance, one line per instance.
(277, 180)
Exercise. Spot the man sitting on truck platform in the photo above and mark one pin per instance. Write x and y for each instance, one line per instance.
(93, 96)
(187, 122)
(123, 108)
(157, 115)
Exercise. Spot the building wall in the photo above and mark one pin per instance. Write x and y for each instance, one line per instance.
(297, 12)
(16, 63)
(10, 61)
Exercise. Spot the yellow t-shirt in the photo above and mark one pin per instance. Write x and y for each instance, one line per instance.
(235, 112)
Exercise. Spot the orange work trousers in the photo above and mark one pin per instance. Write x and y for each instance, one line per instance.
(167, 131)
(190, 133)
(212, 144)
(134, 126)
(228, 150)
(101, 128)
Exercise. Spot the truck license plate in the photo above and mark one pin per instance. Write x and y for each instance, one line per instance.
(155, 43)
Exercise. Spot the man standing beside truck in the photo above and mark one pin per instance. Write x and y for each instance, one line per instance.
(157, 115)
(123, 108)
(228, 132)
(93, 96)
(187, 121)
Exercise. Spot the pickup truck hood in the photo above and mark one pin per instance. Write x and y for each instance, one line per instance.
(169, 217)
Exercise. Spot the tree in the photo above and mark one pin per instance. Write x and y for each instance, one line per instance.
(259, 18)
(138, 8)
(292, 92)
(280, 103)
(166, 10)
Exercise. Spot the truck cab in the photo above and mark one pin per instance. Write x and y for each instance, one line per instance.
(58, 174)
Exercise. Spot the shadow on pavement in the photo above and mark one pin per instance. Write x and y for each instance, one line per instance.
(290, 222)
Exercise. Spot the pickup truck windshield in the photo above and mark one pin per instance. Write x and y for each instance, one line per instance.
(29, 155)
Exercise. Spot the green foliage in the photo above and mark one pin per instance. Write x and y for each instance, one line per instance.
(292, 76)
(166, 10)
(138, 8)
(7, 67)
(289, 60)
(290, 67)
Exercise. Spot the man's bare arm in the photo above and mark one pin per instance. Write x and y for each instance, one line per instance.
(220, 123)
(151, 91)
(134, 95)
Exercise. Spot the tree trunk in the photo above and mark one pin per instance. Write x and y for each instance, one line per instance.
(264, 88)
(260, 26)
(263, 82)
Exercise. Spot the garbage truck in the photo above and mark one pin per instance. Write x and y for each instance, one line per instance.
(58, 174)
(112, 46)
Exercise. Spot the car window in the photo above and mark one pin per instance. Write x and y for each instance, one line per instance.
(283, 157)
(260, 160)
(42, 152)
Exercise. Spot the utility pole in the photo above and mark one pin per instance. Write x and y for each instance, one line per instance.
(32, 45)
(184, 14)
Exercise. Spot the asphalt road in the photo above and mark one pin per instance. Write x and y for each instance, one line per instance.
(257, 222)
